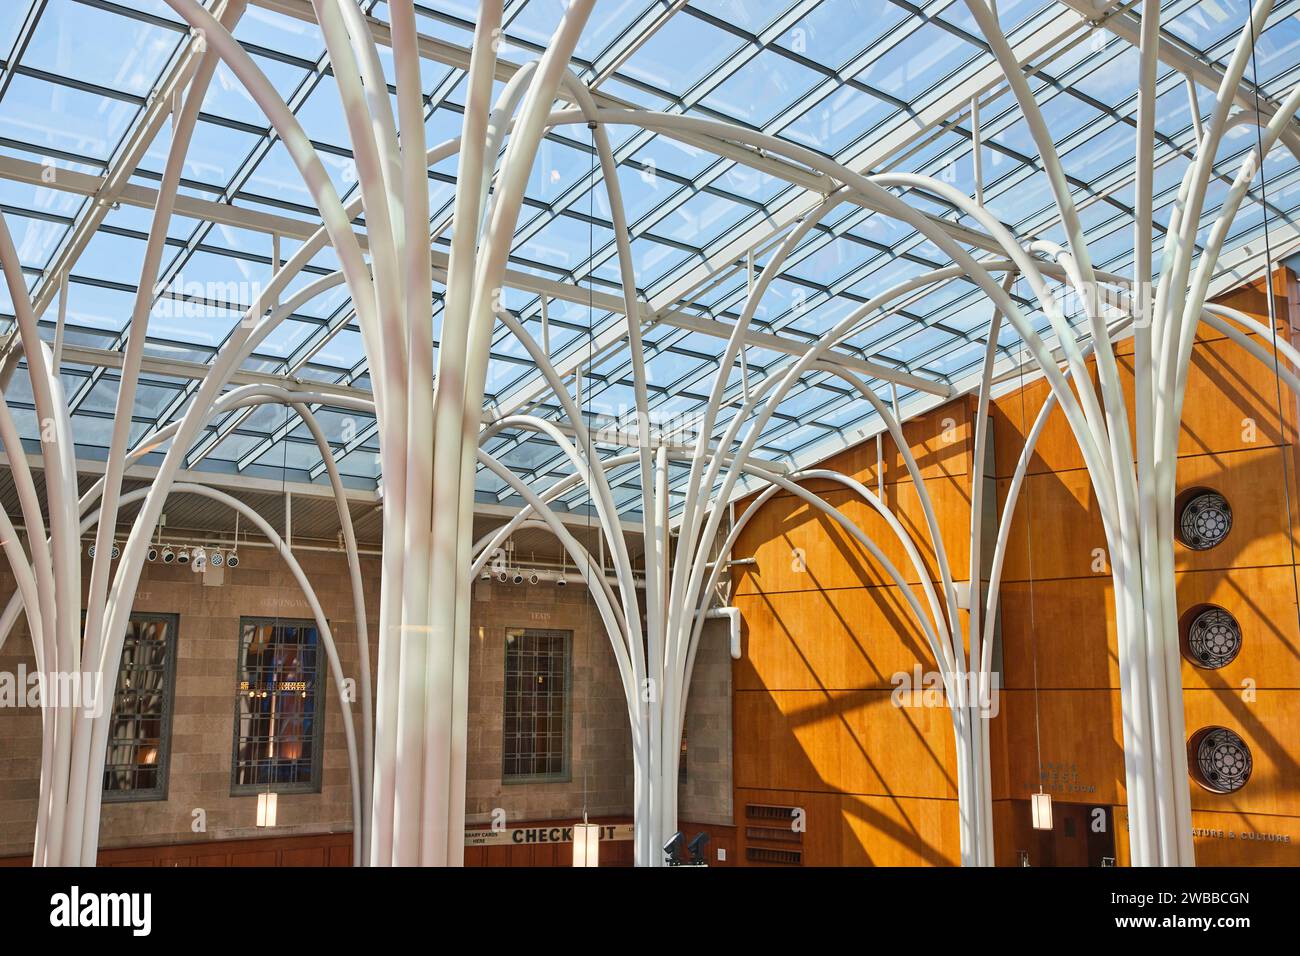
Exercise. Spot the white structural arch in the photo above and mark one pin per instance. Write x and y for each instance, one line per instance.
(435, 436)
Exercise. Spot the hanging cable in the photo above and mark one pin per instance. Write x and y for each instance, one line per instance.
(1272, 314)
(1029, 561)
(590, 443)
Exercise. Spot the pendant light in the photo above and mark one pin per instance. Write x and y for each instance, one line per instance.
(268, 800)
(586, 836)
(266, 807)
(586, 843)
(1042, 810)
(1040, 803)
(1271, 296)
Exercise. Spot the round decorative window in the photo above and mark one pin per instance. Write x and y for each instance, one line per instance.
(1205, 520)
(1219, 759)
(1213, 637)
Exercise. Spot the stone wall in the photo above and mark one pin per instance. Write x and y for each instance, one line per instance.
(203, 714)
(706, 794)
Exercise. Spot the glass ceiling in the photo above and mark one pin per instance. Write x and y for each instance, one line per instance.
(842, 77)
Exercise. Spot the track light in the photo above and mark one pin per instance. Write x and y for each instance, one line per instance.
(90, 552)
(216, 559)
(503, 576)
(519, 577)
(182, 556)
(533, 577)
(560, 580)
(199, 559)
(116, 552)
(232, 559)
(168, 555)
(151, 554)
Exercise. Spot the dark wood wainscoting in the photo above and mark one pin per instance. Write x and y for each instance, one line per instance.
(317, 849)
(335, 849)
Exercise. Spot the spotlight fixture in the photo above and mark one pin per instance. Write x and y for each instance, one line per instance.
(168, 555)
(696, 848)
(182, 556)
(673, 847)
(533, 577)
(503, 575)
(232, 559)
(116, 552)
(216, 559)
(90, 552)
(519, 577)
(151, 554)
(486, 575)
(199, 559)
(560, 580)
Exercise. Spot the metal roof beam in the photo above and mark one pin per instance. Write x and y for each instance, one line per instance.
(1177, 55)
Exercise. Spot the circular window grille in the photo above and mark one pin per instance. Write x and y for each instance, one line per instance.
(1214, 638)
(1205, 521)
(1220, 760)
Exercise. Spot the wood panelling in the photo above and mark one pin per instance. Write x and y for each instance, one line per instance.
(1264, 604)
(860, 830)
(1014, 415)
(1074, 647)
(1253, 483)
(1061, 511)
(1082, 756)
(1074, 839)
(1065, 629)
(1230, 839)
(1231, 402)
(720, 838)
(845, 741)
(814, 725)
(1051, 503)
(321, 849)
(832, 640)
(1270, 726)
(941, 440)
(832, 558)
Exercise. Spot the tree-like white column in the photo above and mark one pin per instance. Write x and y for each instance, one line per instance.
(409, 764)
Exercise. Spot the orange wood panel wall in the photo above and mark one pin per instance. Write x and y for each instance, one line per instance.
(815, 730)
(827, 770)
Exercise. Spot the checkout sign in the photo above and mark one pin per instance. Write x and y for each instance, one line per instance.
(528, 835)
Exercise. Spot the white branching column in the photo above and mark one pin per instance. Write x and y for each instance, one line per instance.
(1137, 501)
(409, 767)
(419, 730)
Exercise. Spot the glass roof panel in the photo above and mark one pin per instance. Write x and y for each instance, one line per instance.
(81, 86)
